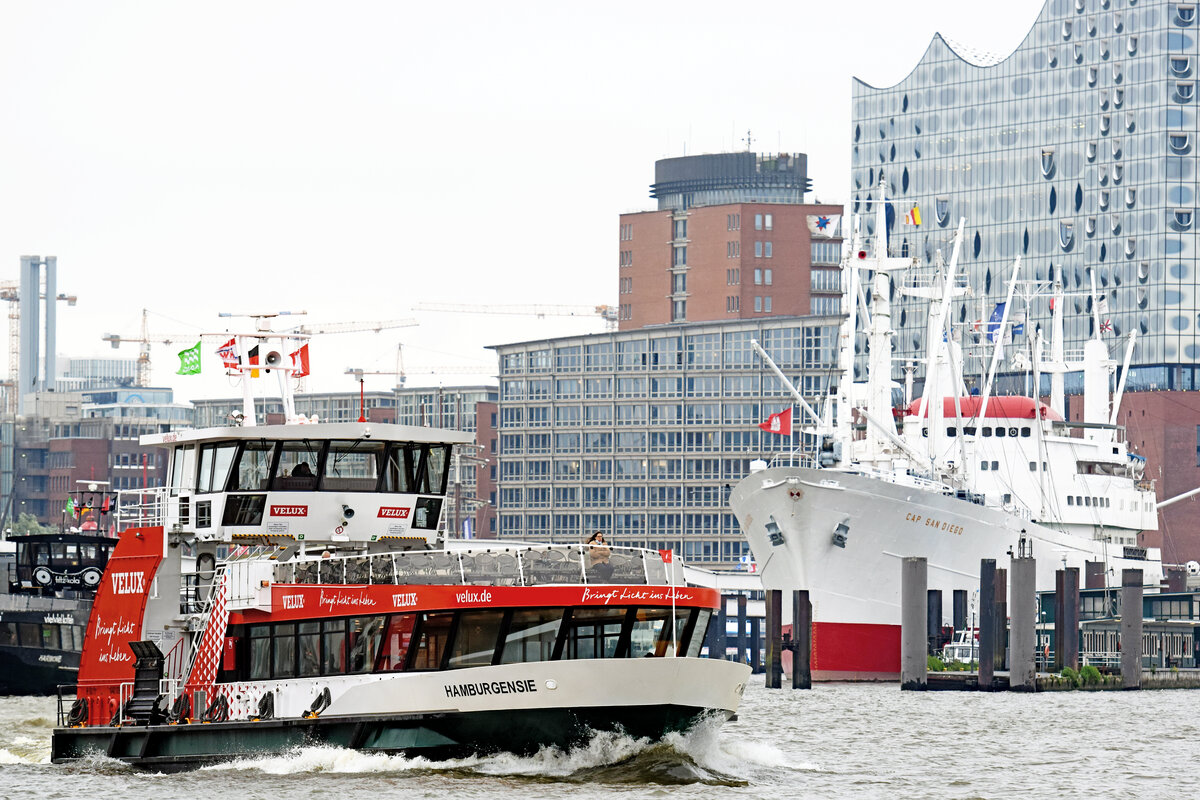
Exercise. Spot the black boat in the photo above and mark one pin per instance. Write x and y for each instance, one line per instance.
(46, 599)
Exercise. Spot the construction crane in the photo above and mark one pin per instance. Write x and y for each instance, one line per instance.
(606, 312)
(142, 376)
(402, 377)
(355, 327)
(10, 291)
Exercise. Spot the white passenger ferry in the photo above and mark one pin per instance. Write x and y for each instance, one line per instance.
(287, 588)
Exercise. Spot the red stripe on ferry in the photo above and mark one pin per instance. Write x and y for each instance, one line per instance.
(305, 601)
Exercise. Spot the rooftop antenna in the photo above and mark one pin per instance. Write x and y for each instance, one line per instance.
(749, 140)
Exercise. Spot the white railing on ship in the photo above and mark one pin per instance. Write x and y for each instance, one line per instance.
(796, 458)
(143, 507)
(499, 566)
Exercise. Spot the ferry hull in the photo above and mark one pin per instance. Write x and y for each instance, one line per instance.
(854, 585)
(565, 702)
(36, 670)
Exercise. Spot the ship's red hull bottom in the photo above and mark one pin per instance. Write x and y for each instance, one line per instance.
(845, 651)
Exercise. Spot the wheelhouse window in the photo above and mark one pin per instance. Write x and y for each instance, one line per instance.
(253, 471)
(299, 464)
(433, 638)
(215, 461)
(353, 466)
(594, 633)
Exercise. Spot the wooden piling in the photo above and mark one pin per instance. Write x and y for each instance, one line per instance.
(756, 663)
(1131, 628)
(959, 619)
(1066, 619)
(801, 640)
(1022, 676)
(743, 646)
(933, 621)
(774, 638)
(987, 622)
(1000, 612)
(914, 616)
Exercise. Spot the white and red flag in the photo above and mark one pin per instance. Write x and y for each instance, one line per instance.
(228, 354)
(300, 362)
(780, 423)
(666, 556)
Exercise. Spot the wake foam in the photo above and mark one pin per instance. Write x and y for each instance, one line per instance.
(699, 756)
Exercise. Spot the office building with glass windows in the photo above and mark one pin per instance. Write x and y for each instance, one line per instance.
(642, 433)
(731, 238)
(1078, 153)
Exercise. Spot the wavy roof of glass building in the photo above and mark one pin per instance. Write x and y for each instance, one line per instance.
(1076, 152)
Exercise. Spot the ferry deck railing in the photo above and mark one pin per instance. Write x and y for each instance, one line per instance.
(507, 566)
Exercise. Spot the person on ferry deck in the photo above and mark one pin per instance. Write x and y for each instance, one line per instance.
(599, 554)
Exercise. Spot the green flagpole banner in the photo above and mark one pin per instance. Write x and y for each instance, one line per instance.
(189, 361)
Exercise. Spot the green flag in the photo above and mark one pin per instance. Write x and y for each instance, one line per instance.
(189, 361)
(70, 509)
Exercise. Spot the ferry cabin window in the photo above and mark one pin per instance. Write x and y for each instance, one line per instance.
(215, 460)
(396, 642)
(253, 470)
(309, 642)
(987, 432)
(8, 633)
(299, 464)
(1070, 500)
(593, 633)
(651, 632)
(30, 634)
(475, 642)
(260, 652)
(353, 466)
(333, 646)
(283, 663)
(699, 633)
(432, 639)
(1000, 432)
(366, 634)
(531, 635)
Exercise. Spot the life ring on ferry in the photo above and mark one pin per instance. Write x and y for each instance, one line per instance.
(91, 577)
(78, 715)
(218, 710)
(318, 705)
(42, 576)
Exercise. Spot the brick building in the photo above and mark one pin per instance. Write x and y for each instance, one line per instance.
(731, 239)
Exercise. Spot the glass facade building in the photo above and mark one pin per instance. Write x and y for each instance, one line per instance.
(1076, 152)
(642, 433)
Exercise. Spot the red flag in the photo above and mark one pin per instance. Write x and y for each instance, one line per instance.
(228, 354)
(780, 423)
(104, 505)
(666, 556)
(300, 361)
(1051, 303)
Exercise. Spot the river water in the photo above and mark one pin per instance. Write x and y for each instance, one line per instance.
(836, 741)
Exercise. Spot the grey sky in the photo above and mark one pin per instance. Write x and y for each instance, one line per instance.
(355, 158)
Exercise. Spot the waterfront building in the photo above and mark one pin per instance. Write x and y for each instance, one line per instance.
(642, 433)
(79, 374)
(1076, 152)
(731, 239)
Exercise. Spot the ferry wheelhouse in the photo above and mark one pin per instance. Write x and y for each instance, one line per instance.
(287, 588)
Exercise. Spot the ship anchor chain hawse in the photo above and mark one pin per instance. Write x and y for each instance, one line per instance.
(289, 587)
